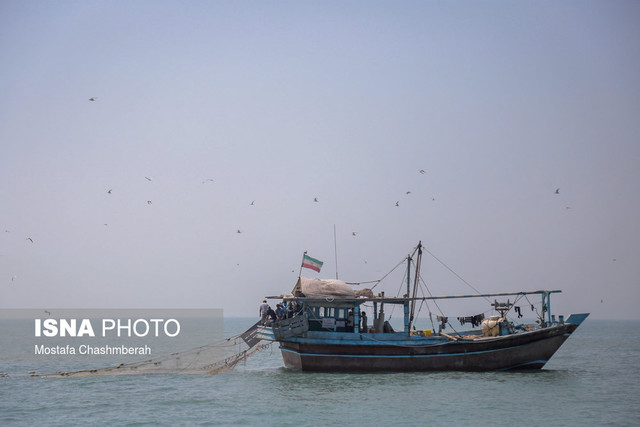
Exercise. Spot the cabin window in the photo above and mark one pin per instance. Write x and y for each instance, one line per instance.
(327, 311)
(341, 313)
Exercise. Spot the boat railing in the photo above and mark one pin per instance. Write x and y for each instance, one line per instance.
(290, 327)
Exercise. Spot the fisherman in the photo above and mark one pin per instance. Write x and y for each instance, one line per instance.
(291, 309)
(264, 312)
(280, 311)
(350, 321)
(272, 315)
(364, 322)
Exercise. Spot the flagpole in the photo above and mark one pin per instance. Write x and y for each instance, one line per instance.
(301, 263)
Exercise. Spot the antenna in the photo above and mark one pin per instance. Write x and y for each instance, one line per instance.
(335, 249)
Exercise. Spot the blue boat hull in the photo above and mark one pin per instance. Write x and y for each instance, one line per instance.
(397, 352)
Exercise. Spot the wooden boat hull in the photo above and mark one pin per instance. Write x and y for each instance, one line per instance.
(364, 353)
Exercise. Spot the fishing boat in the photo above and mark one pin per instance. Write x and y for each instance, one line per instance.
(326, 330)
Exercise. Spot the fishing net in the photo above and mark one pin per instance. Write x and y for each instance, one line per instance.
(208, 359)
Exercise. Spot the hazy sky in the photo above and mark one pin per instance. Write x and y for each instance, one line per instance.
(281, 102)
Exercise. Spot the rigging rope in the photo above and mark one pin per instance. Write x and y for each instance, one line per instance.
(385, 276)
(456, 274)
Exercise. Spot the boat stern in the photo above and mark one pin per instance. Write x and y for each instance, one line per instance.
(284, 328)
(265, 333)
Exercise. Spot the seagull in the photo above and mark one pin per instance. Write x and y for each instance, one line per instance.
(110, 190)
(252, 202)
(353, 233)
(93, 98)
(149, 202)
(148, 179)
(29, 239)
(422, 171)
(315, 199)
(48, 312)
(557, 190)
(408, 192)
(238, 231)
(14, 277)
(398, 203)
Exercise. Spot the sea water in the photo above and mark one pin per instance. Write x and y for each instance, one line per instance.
(594, 379)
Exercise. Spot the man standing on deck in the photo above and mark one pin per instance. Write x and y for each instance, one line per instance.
(264, 312)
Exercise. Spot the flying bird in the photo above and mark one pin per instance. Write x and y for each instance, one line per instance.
(148, 179)
(149, 202)
(398, 203)
(207, 180)
(252, 202)
(110, 190)
(408, 192)
(48, 313)
(557, 190)
(315, 199)
(14, 277)
(93, 98)
(353, 233)
(29, 239)
(238, 231)
(422, 171)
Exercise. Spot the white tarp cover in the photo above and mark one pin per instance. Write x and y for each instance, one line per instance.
(323, 288)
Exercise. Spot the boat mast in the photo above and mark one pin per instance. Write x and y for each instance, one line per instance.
(416, 282)
(408, 275)
(407, 316)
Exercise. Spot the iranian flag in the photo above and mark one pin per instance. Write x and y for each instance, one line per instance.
(311, 263)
